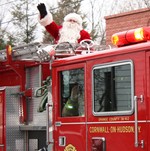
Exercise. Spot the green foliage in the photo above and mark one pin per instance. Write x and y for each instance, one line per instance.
(2, 44)
(6, 39)
(24, 25)
(65, 7)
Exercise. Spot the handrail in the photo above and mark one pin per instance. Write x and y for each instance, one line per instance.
(136, 121)
(48, 141)
(47, 124)
(137, 142)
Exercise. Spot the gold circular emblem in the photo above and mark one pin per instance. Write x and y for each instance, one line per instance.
(70, 148)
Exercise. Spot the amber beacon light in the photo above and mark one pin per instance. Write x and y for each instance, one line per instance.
(131, 36)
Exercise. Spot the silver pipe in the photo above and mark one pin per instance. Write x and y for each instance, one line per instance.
(47, 124)
(24, 51)
(136, 121)
(26, 45)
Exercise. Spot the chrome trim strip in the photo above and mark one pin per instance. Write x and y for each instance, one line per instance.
(2, 88)
(74, 123)
(111, 64)
(115, 122)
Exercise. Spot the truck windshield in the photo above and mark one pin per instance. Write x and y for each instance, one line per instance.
(113, 89)
(72, 92)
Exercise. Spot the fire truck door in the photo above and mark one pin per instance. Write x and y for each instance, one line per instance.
(2, 142)
(70, 125)
(148, 96)
(116, 108)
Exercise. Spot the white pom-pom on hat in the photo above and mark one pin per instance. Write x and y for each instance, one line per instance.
(74, 17)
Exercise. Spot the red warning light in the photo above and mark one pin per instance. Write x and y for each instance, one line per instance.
(131, 36)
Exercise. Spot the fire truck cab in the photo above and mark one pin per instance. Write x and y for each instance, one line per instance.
(101, 99)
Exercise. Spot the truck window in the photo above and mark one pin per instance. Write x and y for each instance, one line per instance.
(72, 92)
(113, 89)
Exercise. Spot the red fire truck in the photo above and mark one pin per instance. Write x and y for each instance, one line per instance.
(100, 99)
(24, 86)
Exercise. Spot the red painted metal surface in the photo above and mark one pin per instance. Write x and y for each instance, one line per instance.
(2, 121)
(118, 131)
(73, 129)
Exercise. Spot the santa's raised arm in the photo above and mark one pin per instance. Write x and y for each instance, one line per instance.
(70, 31)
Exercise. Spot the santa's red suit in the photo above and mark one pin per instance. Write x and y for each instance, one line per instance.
(70, 31)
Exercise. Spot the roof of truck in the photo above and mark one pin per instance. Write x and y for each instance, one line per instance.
(102, 54)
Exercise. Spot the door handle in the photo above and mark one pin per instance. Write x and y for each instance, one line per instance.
(62, 141)
(58, 123)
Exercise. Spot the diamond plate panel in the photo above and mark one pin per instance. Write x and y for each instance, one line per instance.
(33, 144)
(33, 80)
(14, 137)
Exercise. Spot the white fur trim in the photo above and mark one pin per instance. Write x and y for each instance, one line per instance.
(46, 20)
(75, 17)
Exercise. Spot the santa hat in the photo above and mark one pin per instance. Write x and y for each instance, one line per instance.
(75, 17)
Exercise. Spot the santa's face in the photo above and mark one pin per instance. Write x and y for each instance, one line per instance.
(70, 32)
(71, 24)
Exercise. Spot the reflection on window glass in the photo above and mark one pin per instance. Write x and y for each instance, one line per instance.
(112, 88)
(72, 92)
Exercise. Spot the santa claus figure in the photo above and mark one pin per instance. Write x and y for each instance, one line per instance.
(70, 31)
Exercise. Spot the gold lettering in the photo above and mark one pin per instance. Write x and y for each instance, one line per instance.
(125, 129)
(139, 129)
(114, 119)
(103, 119)
(98, 130)
(113, 129)
(106, 119)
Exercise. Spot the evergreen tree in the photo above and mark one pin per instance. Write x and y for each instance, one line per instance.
(23, 24)
(65, 7)
(2, 44)
(5, 39)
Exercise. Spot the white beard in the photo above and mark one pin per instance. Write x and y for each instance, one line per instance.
(70, 32)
